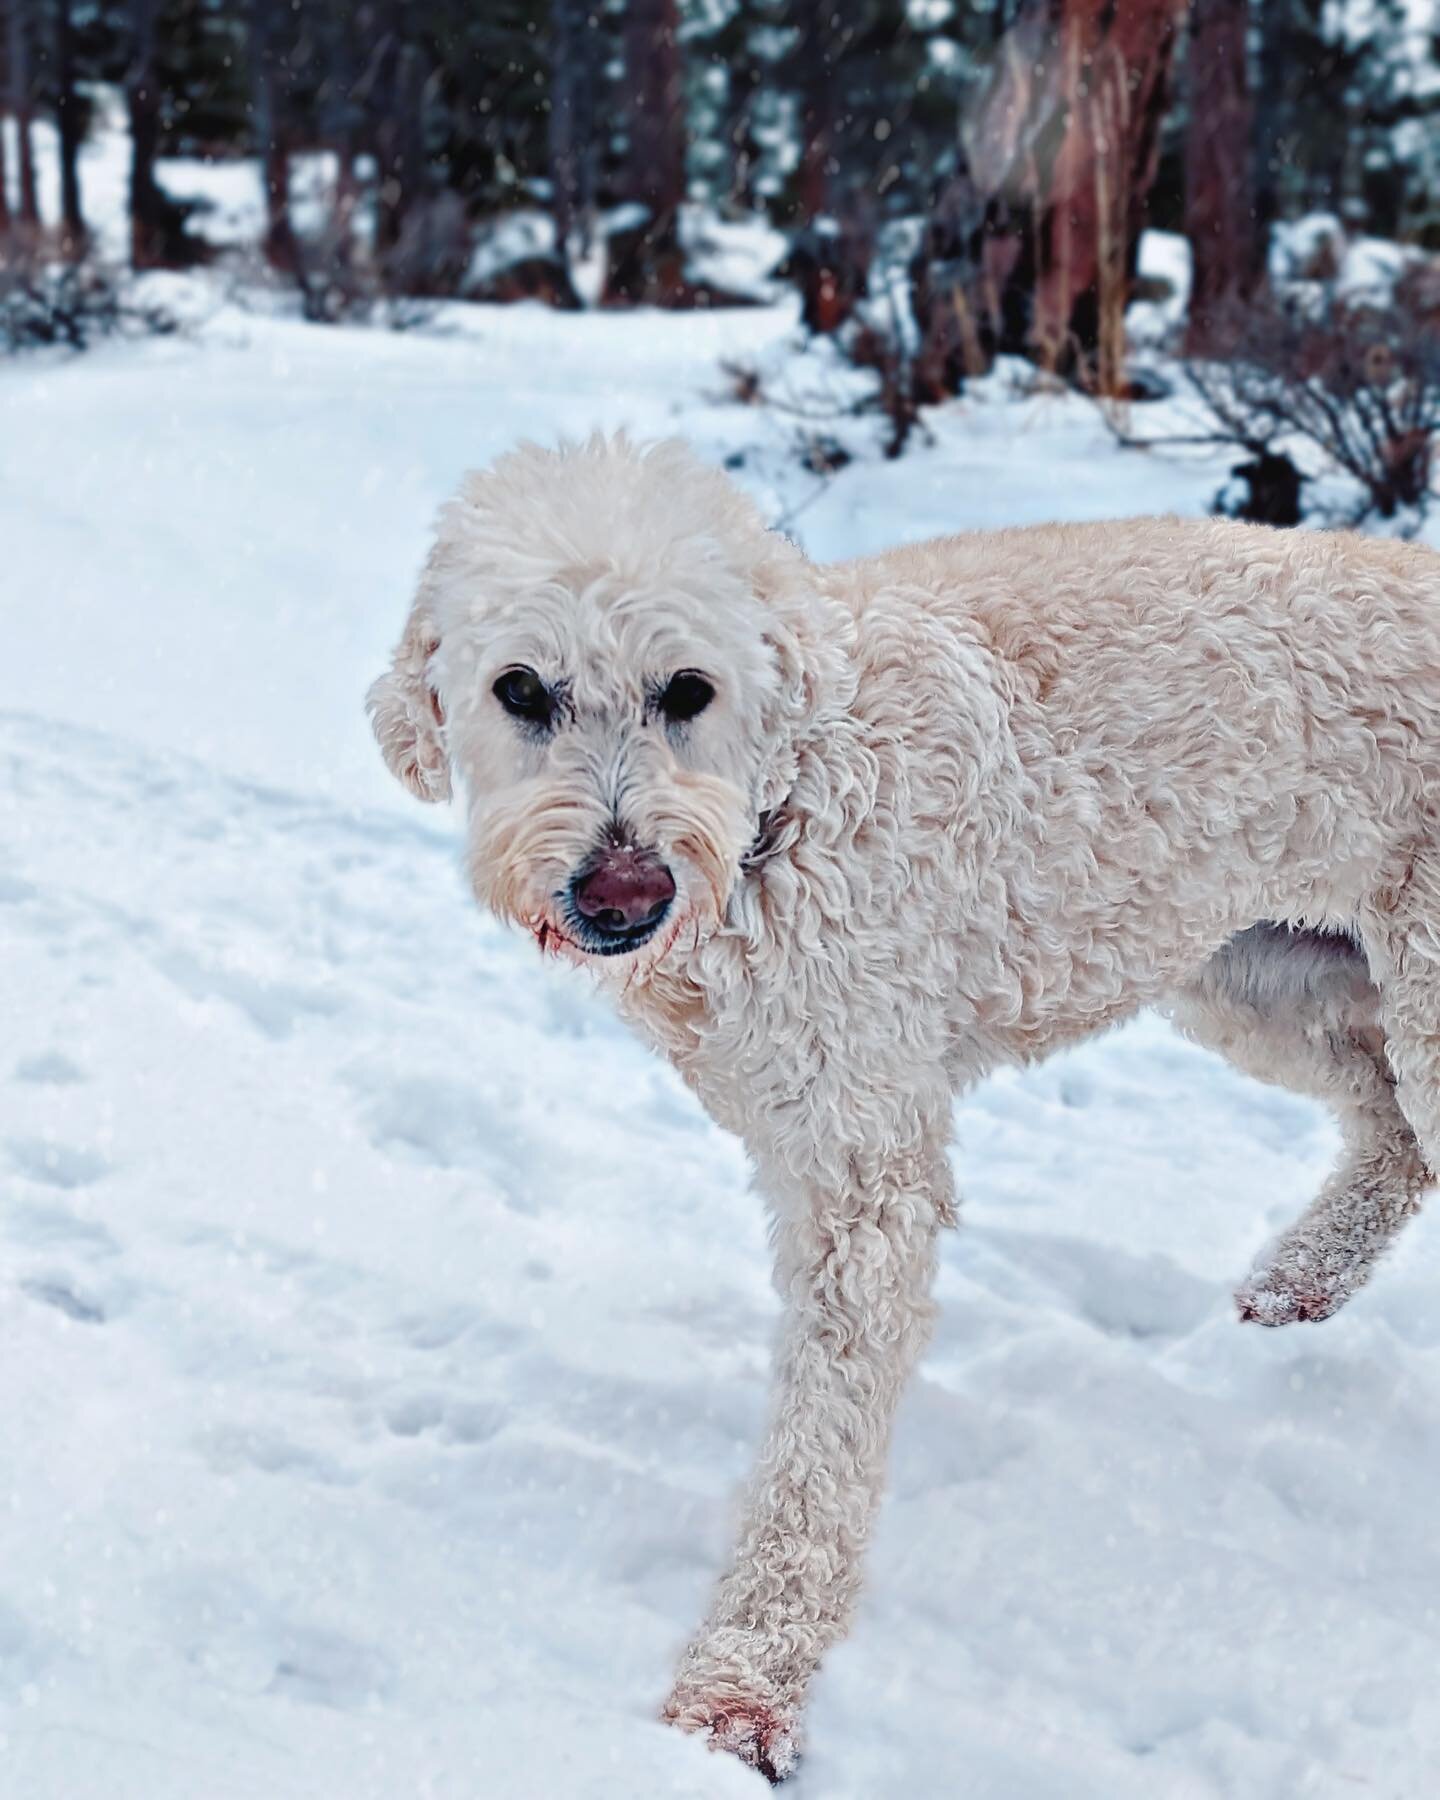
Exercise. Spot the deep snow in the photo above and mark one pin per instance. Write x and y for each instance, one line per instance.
(383, 1334)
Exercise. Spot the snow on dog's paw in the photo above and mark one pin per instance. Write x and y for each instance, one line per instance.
(762, 1734)
(1328, 1255)
(1282, 1295)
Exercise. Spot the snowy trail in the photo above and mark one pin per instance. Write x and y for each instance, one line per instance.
(384, 1334)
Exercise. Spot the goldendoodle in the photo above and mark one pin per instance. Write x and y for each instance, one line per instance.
(844, 838)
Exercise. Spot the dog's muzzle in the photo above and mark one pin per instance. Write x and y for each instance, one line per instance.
(618, 900)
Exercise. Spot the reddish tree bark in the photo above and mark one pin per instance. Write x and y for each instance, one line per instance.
(1062, 154)
(1220, 210)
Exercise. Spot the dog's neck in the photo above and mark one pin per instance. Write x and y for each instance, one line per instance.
(773, 834)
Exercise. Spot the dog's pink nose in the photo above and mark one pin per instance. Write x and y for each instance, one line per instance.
(624, 890)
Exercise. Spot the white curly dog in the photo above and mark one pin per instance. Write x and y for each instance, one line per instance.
(844, 838)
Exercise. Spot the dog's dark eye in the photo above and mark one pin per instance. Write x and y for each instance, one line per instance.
(685, 695)
(524, 695)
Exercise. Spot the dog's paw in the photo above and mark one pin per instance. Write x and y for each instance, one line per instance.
(1289, 1294)
(763, 1734)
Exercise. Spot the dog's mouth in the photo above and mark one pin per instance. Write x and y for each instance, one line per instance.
(576, 938)
(580, 934)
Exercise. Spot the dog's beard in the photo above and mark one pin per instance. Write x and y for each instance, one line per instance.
(527, 846)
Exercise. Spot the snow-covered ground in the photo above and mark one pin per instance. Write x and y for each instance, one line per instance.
(377, 1377)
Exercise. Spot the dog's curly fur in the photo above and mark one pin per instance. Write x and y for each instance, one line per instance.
(950, 807)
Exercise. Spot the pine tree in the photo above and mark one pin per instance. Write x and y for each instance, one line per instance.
(880, 86)
(71, 125)
(142, 97)
(648, 261)
(1329, 98)
(740, 105)
(486, 124)
(202, 67)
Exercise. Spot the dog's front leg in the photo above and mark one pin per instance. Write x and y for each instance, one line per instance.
(855, 1269)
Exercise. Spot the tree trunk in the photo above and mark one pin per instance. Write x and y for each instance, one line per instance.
(271, 139)
(1273, 77)
(650, 265)
(22, 107)
(830, 254)
(574, 84)
(384, 128)
(817, 23)
(421, 236)
(1061, 155)
(142, 96)
(1220, 208)
(746, 80)
(399, 135)
(338, 122)
(67, 108)
(279, 237)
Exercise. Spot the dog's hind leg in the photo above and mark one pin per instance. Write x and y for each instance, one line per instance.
(1299, 1009)
(1400, 928)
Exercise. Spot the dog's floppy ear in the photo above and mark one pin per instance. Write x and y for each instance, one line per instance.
(405, 711)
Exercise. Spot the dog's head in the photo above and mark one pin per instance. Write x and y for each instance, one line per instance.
(618, 659)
